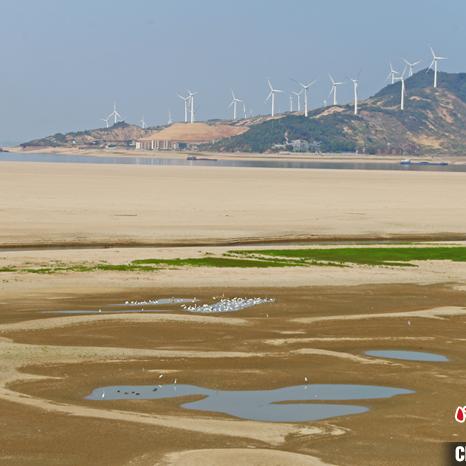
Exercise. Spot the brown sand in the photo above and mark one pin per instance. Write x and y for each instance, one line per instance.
(74, 204)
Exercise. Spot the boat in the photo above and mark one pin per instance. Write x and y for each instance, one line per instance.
(441, 163)
(193, 157)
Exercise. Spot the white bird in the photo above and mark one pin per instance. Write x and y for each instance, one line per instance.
(435, 60)
(160, 376)
(305, 380)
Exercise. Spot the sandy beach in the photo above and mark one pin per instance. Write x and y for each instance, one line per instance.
(47, 203)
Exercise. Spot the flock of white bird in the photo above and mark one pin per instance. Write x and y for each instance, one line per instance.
(227, 305)
(160, 301)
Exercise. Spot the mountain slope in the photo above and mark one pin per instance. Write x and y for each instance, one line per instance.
(434, 121)
(119, 134)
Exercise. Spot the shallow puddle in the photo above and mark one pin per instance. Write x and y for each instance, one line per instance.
(260, 405)
(408, 355)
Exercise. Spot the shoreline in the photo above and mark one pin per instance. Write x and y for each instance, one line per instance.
(257, 241)
(325, 157)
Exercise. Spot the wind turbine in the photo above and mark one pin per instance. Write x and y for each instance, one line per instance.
(411, 66)
(115, 115)
(106, 121)
(298, 99)
(305, 88)
(403, 89)
(244, 110)
(143, 123)
(333, 90)
(392, 75)
(434, 63)
(355, 90)
(234, 103)
(291, 103)
(186, 104)
(272, 95)
(170, 121)
(191, 103)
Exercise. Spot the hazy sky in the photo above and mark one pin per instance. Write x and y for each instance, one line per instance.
(64, 62)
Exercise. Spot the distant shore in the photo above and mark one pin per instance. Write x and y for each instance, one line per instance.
(327, 157)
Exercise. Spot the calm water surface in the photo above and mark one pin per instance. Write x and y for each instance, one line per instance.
(260, 405)
(135, 160)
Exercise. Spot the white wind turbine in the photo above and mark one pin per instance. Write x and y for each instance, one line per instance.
(434, 63)
(115, 115)
(170, 121)
(234, 103)
(403, 89)
(186, 100)
(298, 99)
(272, 95)
(333, 90)
(244, 110)
(106, 121)
(392, 75)
(411, 66)
(355, 90)
(191, 103)
(291, 103)
(305, 88)
(143, 123)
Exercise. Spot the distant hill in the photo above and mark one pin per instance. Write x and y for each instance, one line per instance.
(433, 122)
(120, 134)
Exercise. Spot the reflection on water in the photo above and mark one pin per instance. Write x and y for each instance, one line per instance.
(134, 160)
(260, 405)
(408, 355)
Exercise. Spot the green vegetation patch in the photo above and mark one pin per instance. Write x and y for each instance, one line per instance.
(369, 256)
(218, 262)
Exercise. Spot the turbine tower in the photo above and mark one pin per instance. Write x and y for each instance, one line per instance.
(170, 121)
(305, 88)
(392, 75)
(143, 123)
(355, 90)
(234, 103)
(115, 115)
(271, 95)
(403, 91)
(186, 106)
(106, 121)
(411, 66)
(434, 63)
(298, 99)
(333, 90)
(191, 103)
(244, 110)
(291, 103)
